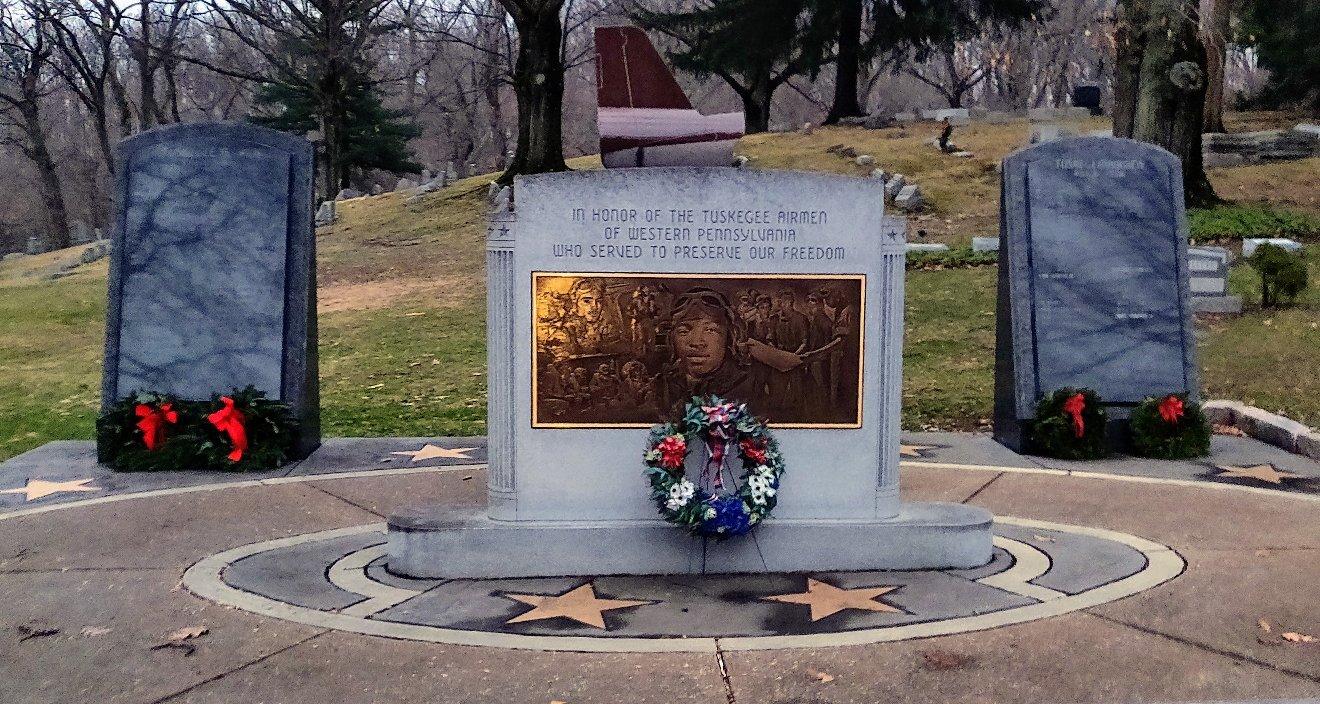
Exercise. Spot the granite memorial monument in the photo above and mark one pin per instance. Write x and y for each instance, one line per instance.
(614, 294)
(1093, 281)
(213, 270)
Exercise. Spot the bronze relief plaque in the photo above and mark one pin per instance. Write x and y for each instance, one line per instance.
(628, 350)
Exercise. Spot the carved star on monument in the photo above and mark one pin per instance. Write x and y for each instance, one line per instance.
(826, 599)
(578, 604)
(917, 451)
(430, 452)
(40, 488)
(1260, 472)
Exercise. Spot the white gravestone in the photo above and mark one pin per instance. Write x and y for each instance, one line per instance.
(592, 288)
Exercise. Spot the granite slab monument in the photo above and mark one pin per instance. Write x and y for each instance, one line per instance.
(213, 268)
(1093, 280)
(613, 297)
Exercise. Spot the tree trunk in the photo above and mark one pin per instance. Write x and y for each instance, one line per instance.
(1160, 95)
(146, 71)
(538, 82)
(1214, 33)
(846, 66)
(52, 195)
(756, 107)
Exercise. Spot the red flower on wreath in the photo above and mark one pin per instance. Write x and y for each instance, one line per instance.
(1073, 407)
(753, 450)
(230, 420)
(1171, 409)
(153, 422)
(672, 451)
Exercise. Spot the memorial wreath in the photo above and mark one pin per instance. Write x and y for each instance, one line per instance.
(1172, 427)
(241, 431)
(1070, 424)
(720, 511)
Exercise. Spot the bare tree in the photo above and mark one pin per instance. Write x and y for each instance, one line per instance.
(538, 82)
(25, 83)
(1160, 92)
(85, 35)
(954, 70)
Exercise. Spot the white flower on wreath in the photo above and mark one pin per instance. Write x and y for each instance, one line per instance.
(680, 494)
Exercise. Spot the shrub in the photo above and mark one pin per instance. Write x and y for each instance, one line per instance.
(1282, 274)
(1238, 221)
(1170, 428)
(952, 259)
(1059, 418)
(189, 440)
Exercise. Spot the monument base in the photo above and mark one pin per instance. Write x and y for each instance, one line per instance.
(438, 542)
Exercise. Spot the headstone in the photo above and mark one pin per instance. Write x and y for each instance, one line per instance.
(956, 116)
(1212, 160)
(1207, 270)
(349, 193)
(807, 128)
(1308, 128)
(472, 169)
(405, 184)
(1088, 97)
(1093, 284)
(325, 215)
(909, 199)
(450, 174)
(638, 285)
(880, 174)
(1049, 133)
(426, 175)
(377, 189)
(35, 245)
(878, 121)
(894, 185)
(81, 233)
(905, 117)
(864, 160)
(926, 247)
(213, 268)
(985, 244)
(1249, 244)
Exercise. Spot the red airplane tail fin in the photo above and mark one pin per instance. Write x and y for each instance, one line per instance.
(631, 74)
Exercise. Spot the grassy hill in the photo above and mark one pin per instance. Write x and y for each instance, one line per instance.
(402, 300)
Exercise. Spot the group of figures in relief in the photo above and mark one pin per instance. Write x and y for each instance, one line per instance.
(632, 350)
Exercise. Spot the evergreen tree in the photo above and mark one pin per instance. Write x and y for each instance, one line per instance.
(369, 135)
(1283, 33)
(753, 45)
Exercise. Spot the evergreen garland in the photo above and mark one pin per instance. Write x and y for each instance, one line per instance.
(191, 441)
(1054, 431)
(1170, 428)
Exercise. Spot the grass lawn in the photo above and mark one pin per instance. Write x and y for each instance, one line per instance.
(402, 305)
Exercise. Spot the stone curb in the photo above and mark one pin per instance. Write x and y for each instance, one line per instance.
(1267, 427)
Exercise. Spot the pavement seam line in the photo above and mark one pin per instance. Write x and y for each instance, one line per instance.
(982, 488)
(350, 502)
(724, 674)
(1203, 646)
(244, 666)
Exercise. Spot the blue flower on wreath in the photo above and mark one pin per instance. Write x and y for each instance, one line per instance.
(726, 515)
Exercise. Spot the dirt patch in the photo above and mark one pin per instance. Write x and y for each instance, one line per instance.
(445, 291)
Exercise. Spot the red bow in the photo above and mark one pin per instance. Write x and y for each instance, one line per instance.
(1073, 407)
(1171, 409)
(230, 420)
(153, 423)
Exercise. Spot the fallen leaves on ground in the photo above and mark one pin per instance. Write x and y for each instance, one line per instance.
(179, 639)
(1294, 637)
(1224, 429)
(30, 631)
(822, 677)
(938, 660)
